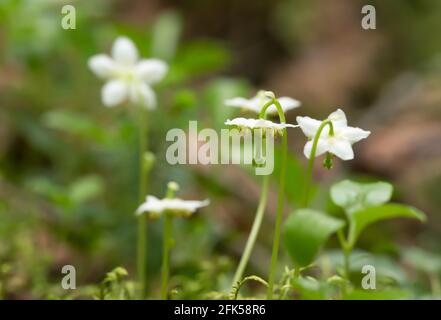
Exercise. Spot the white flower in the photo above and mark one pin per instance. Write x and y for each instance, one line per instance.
(259, 100)
(178, 206)
(339, 144)
(245, 123)
(127, 77)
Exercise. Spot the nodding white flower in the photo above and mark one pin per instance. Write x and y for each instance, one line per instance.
(339, 144)
(259, 100)
(155, 207)
(245, 124)
(127, 77)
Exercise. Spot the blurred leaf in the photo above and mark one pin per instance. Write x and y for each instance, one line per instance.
(295, 177)
(305, 231)
(211, 56)
(389, 294)
(423, 260)
(184, 99)
(166, 33)
(362, 218)
(75, 124)
(310, 288)
(86, 188)
(354, 196)
(215, 94)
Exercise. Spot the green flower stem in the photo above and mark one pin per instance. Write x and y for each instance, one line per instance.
(312, 157)
(254, 232)
(167, 242)
(142, 219)
(346, 248)
(280, 198)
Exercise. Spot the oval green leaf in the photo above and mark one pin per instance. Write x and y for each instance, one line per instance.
(362, 218)
(305, 231)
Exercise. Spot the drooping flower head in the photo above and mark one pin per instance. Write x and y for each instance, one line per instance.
(127, 77)
(246, 124)
(256, 103)
(338, 144)
(178, 207)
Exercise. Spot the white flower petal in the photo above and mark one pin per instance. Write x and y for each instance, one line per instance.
(354, 134)
(342, 149)
(309, 126)
(142, 94)
(151, 70)
(102, 66)
(321, 148)
(153, 204)
(288, 103)
(239, 102)
(114, 92)
(257, 102)
(338, 118)
(124, 51)
(258, 123)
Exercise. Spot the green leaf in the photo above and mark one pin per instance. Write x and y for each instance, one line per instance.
(389, 294)
(86, 188)
(305, 231)
(310, 288)
(166, 33)
(353, 196)
(362, 218)
(423, 260)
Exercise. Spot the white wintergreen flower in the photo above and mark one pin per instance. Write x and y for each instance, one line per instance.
(256, 103)
(127, 77)
(155, 207)
(339, 144)
(246, 123)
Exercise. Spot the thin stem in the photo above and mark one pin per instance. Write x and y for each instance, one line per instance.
(308, 180)
(254, 232)
(167, 242)
(280, 199)
(435, 284)
(142, 219)
(346, 248)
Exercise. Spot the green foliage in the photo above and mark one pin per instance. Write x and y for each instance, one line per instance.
(390, 294)
(306, 231)
(364, 204)
(353, 196)
(114, 287)
(362, 218)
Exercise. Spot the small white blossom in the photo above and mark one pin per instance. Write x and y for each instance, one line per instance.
(339, 144)
(127, 77)
(256, 103)
(245, 123)
(177, 206)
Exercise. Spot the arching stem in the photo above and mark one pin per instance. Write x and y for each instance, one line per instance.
(280, 198)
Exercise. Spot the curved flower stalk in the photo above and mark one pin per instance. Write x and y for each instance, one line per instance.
(336, 141)
(256, 103)
(170, 208)
(268, 101)
(129, 78)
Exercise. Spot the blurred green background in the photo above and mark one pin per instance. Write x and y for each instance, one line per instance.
(68, 165)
